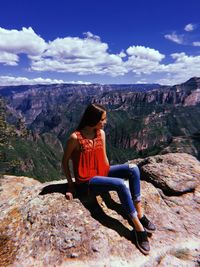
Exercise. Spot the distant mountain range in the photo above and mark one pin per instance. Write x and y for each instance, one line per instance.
(142, 119)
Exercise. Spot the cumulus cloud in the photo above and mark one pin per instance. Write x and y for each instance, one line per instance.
(89, 55)
(122, 54)
(189, 27)
(184, 67)
(145, 53)
(76, 55)
(86, 55)
(24, 41)
(11, 80)
(14, 42)
(176, 38)
(184, 63)
(143, 59)
(8, 58)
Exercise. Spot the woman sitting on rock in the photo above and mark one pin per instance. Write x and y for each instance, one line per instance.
(86, 147)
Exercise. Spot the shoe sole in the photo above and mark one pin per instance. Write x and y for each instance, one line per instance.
(149, 231)
(139, 247)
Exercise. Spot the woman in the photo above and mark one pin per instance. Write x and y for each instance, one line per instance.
(86, 147)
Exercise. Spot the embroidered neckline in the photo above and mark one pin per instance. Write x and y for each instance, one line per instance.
(85, 143)
(84, 137)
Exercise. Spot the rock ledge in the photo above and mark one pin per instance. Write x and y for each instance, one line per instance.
(39, 227)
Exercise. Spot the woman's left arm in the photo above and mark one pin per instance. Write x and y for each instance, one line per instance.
(104, 145)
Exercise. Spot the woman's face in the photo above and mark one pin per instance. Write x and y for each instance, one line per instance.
(102, 122)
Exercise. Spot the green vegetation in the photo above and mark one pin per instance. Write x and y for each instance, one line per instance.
(21, 154)
(139, 124)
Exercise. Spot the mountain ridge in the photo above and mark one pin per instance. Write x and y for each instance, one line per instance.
(140, 124)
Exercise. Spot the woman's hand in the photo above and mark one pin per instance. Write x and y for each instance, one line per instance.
(72, 143)
(70, 192)
(69, 196)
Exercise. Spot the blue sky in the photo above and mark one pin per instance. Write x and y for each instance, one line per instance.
(99, 41)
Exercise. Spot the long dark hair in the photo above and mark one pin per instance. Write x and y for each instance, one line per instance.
(91, 116)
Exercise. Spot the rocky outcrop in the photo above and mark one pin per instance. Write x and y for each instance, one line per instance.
(39, 227)
(174, 173)
(183, 94)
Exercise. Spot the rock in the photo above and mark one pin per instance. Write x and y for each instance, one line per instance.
(174, 173)
(39, 227)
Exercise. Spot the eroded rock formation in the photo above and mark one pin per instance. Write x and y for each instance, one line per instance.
(39, 227)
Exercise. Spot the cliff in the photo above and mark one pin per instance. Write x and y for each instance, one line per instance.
(142, 120)
(24, 152)
(39, 227)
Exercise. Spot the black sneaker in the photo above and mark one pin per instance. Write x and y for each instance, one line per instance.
(149, 226)
(142, 241)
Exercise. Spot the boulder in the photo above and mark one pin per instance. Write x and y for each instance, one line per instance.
(174, 173)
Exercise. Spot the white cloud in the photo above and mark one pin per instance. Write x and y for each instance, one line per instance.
(143, 59)
(90, 35)
(189, 27)
(8, 58)
(89, 55)
(183, 68)
(78, 82)
(142, 81)
(122, 54)
(76, 55)
(83, 56)
(145, 53)
(10, 80)
(14, 42)
(176, 38)
(196, 43)
(24, 41)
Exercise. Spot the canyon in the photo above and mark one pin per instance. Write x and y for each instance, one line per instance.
(143, 120)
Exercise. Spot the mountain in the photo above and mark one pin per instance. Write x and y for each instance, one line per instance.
(24, 152)
(158, 121)
(30, 101)
(143, 120)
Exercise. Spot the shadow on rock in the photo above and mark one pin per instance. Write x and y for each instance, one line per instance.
(98, 214)
(54, 188)
(90, 203)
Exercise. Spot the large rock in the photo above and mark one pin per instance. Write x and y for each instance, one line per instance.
(39, 227)
(174, 173)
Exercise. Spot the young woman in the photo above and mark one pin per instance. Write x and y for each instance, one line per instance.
(86, 147)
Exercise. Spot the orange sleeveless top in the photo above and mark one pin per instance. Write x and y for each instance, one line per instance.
(89, 160)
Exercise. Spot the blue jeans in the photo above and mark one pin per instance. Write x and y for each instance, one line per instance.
(115, 182)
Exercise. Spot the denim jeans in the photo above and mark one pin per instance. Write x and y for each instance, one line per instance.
(115, 182)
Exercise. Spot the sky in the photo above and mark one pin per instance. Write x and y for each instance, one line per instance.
(99, 41)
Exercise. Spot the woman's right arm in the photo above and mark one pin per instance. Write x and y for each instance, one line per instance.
(69, 148)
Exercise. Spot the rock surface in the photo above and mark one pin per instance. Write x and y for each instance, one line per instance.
(39, 227)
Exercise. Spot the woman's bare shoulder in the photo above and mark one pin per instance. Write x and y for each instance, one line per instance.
(102, 132)
(72, 139)
(73, 136)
